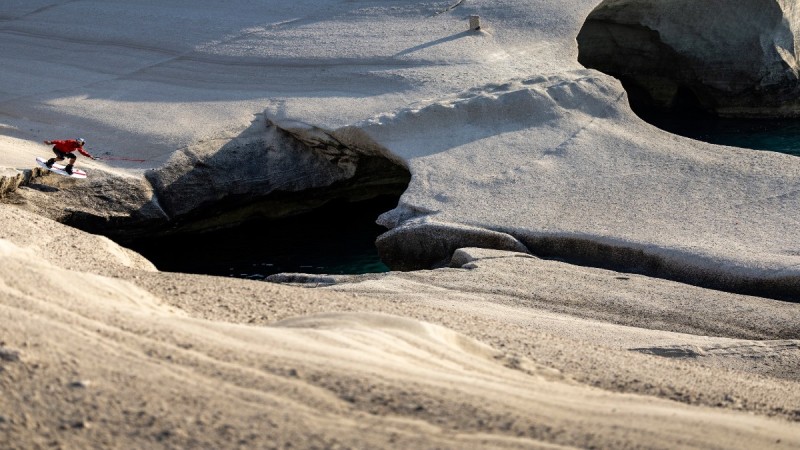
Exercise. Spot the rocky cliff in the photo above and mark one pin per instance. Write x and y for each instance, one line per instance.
(730, 58)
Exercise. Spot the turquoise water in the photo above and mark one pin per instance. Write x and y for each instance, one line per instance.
(778, 135)
(337, 239)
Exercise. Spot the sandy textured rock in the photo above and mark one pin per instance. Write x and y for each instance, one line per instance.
(118, 206)
(419, 359)
(573, 174)
(510, 143)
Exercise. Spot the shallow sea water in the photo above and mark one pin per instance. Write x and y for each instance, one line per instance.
(778, 135)
(337, 239)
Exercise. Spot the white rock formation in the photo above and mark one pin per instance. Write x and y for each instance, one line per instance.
(511, 143)
(732, 58)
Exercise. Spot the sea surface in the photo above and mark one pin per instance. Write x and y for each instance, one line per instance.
(337, 239)
(777, 135)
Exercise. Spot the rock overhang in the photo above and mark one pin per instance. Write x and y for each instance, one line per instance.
(541, 170)
(732, 59)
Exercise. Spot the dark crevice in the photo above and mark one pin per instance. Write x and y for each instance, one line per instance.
(665, 89)
(336, 238)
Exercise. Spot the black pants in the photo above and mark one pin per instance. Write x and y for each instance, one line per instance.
(59, 154)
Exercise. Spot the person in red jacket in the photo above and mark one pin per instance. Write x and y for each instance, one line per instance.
(64, 149)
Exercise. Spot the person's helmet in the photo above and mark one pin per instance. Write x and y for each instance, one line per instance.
(80, 141)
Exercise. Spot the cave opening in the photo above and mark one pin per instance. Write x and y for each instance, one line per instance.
(337, 238)
(687, 117)
(687, 92)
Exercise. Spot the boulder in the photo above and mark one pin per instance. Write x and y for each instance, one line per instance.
(424, 244)
(732, 58)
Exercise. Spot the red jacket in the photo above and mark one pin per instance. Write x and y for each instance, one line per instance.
(69, 146)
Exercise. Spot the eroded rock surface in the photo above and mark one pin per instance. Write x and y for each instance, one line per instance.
(106, 203)
(580, 178)
(731, 58)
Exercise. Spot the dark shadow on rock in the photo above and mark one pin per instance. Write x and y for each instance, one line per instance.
(671, 352)
(728, 62)
(269, 172)
(435, 42)
(42, 187)
(337, 238)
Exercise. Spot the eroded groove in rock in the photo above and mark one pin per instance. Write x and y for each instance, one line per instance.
(661, 263)
(427, 245)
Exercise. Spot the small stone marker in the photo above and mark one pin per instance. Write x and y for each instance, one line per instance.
(474, 23)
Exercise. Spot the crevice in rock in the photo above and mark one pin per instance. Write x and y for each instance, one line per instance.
(450, 8)
(337, 237)
(427, 245)
(659, 263)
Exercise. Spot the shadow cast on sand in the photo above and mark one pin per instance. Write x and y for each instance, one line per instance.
(417, 48)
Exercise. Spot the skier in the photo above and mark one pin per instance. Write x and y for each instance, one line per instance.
(64, 149)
